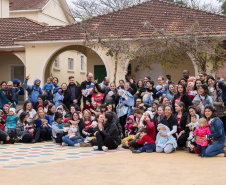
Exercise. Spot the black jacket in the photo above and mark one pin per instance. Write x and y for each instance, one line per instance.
(183, 121)
(110, 129)
(133, 86)
(185, 99)
(67, 98)
(78, 93)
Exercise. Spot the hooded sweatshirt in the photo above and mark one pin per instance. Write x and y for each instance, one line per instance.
(32, 96)
(196, 124)
(201, 132)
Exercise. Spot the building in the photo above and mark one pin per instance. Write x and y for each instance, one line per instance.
(41, 48)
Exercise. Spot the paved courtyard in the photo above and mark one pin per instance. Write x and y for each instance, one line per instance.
(47, 163)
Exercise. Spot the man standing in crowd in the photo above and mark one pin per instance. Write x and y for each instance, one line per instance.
(87, 88)
(203, 76)
(55, 83)
(186, 74)
(75, 91)
(105, 83)
(146, 78)
(160, 83)
(33, 90)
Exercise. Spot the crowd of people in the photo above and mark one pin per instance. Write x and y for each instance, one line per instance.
(143, 117)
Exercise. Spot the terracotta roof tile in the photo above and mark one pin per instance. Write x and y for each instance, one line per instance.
(132, 22)
(17, 27)
(27, 4)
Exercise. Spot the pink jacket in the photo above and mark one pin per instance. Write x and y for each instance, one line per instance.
(202, 131)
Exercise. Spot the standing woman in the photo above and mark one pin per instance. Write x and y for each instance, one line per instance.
(126, 102)
(3, 98)
(140, 89)
(108, 135)
(211, 86)
(97, 97)
(41, 100)
(67, 95)
(217, 136)
(182, 131)
(219, 105)
(170, 121)
(170, 92)
(181, 96)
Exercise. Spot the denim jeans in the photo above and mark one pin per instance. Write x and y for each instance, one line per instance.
(150, 146)
(215, 149)
(71, 142)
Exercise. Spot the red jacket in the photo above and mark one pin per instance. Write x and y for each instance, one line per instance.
(145, 139)
(151, 129)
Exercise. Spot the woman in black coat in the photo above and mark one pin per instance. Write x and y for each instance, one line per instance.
(182, 130)
(67, 95)
(181, 96)
(108, 134)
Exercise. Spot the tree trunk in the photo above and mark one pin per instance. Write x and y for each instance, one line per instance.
(116, 67)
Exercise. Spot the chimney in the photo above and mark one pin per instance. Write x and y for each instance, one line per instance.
(4, 8)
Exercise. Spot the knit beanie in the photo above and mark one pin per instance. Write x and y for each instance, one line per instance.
(40, 106)
(6, 106)
(196, 100)
(12, 110)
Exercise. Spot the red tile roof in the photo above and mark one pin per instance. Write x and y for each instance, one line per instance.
(132, 22)
(27, 4)
(11, 28)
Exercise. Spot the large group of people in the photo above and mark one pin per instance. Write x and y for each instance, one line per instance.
(140, 116)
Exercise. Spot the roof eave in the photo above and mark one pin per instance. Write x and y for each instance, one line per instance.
(22, 11)
(12, 48)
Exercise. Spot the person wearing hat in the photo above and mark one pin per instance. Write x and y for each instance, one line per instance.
(19, 90)
(58, 97)
(11, 121)
(33, 90)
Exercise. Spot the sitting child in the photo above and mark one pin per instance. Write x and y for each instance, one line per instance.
(131, 130)
(147, 142)
(201, 131)
(198, 104)
(48, 89)
(11, 121)
(194, 123)
(88, 106)
(89, 89)
(164, 143)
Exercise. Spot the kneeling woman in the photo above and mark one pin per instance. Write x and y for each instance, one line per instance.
(108, 134)
(217, 136)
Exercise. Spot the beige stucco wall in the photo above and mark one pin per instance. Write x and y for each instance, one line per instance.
(29, 15)
(62, 73)
(4, 8)
(93, 59)
(6, 60)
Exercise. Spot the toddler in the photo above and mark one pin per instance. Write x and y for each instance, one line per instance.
(10, 126)
(48, 89)
(198, 104)
(2, 121)
(58, 97)
(147, 142)
(201, 131)
(88, 106)
(163, 91)
(88, 89)
(194, 123)
(10, 92)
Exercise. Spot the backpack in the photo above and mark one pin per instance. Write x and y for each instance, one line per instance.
(30, 91)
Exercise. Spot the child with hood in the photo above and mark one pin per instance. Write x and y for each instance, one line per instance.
(163, 91)
(58, 97)
(18, 89)
(194, 123)
(201, 131)
(33, 90)
(48, 89)
(11, 121)
(131, 129)
(10, 93)
(164, 143)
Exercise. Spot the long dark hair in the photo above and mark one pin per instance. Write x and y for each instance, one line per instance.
(73, 115)
(50, 107)
(25, 104)
(205, 87)
(184, 91)
(211, 108)
(22, 116)
(142, 83)
(57, 116)
(195, 88)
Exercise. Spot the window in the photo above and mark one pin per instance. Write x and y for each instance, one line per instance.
(57, 63)
(82, 63)
(70, 64)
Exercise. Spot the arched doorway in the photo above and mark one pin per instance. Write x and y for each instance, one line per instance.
(75, 60)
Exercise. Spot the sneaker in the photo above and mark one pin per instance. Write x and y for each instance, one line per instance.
(77, 145)
(104, 148)
(84, 144)
(131, 148)
(95, 147)
(33, 141)
(1, 142)
(125, 146)
(64, 144)
(136, 151)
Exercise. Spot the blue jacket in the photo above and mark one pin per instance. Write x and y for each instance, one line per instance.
(169, 95)
(48, 87)
(222, 86)
(217, 131)
(18, 91)
(55, 88)
(58, 99)
(11, 121)
(32, 96)
(208, 101)
(38, 122)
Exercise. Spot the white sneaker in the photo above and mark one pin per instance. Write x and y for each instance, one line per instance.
(77, 145)
(95, 147)
(64, 144)
(104, 148)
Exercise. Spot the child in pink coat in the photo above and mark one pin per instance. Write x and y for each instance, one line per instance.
(200, 133)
